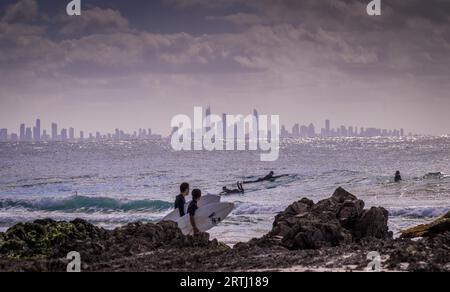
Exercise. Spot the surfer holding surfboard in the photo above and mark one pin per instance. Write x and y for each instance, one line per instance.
(180, 200)
(196, 195)
(199, 215)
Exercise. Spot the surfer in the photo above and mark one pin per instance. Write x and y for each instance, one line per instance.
(180, 200)
(196, 195)
(269, 177)
(398, 177)
(227, 191)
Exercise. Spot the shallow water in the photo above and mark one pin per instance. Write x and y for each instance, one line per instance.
(113, 183)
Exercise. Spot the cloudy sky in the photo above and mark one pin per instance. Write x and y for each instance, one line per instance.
(137, 63)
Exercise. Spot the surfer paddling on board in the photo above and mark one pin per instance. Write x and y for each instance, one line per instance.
(196, 195)
(180, 200)
(227, 191)
(269, 177)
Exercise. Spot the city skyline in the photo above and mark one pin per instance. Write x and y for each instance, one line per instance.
(142, 63)
(37, 133)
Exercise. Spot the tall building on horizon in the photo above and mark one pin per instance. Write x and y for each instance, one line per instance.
(63, 135)
(37, 131)
(28, 135)
(3, 135)
(54, 131)
(328, 128)
(22, 132)
(72, 134)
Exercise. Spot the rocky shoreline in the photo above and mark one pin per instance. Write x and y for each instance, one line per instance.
(335, 234)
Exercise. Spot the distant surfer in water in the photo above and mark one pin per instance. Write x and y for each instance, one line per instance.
(227, 191)
(180, 200)
(398, 177)
(268, 177)
(196, 195)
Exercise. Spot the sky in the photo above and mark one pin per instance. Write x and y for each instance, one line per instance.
(137, 63)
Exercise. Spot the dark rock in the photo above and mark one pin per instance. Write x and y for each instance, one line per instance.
(53, 239)
(373, 223)
(336, 233)
(435, 228)
(335, 221)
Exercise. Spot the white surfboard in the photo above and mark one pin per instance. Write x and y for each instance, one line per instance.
(204, 200)
(206, 217)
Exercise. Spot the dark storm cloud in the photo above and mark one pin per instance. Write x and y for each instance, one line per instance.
(25, 10)
(408, 38)
(246, 47)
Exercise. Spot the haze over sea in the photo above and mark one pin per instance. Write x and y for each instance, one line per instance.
(114, 183)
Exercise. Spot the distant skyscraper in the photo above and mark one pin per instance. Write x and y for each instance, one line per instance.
(37, 131)
(45, 136)
(344, 132)
(296, 131)
(256, 115)
(81, 135)
(327, 128)
(28, 135)
(224, 127)
(208, 119)
(54, 132)
(22, 132)
(3, 135)
(72, 134)
(284, 132)
(351, 132)
(311, 131)
(63, 134)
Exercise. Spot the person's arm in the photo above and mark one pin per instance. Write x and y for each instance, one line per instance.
(194, 226)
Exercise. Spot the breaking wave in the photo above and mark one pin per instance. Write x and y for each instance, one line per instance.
(82, 203)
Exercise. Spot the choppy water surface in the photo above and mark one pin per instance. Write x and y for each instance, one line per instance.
(111, 184)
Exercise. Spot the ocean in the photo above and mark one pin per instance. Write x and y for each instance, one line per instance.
(114, 183)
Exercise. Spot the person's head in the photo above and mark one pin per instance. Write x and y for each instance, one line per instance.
(196, 194)
(397, 173)
(272, 173)
(184, 189)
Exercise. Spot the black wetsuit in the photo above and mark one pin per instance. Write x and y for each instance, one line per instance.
(227, 191)
(398, 178)
(192, 208)
(269, 177)
(180, 202)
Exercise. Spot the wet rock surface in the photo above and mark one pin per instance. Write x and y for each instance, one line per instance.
(334, 234)
(437, 227)
(335, 221)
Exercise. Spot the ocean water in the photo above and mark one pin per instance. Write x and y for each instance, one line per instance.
(114, 183)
